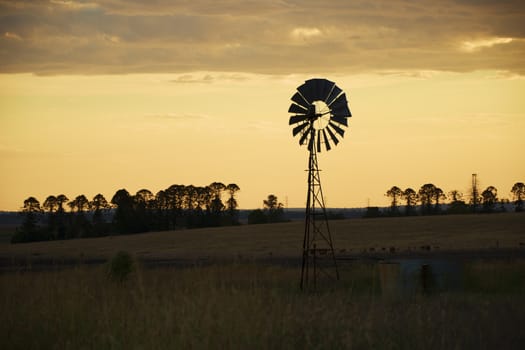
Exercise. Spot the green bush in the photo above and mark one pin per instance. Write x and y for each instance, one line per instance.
(121, 266)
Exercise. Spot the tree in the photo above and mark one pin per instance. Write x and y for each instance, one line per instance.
(456, 195)
(518, 192)
(426, 196)
(124, 218)
(457, 206)
(61, 199)
(231, 203)
(438, 195)
(80, 203)
(489, 198)
(143, 201)
(411, 198)
(98, 205)
(29, 231)
(50, 204)
(273, 209)
(61, 216)
(79, 225)
(395, 193)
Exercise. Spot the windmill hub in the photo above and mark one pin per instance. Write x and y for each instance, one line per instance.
(321, 115)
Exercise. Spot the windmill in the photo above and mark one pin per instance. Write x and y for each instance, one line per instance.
(320, 112)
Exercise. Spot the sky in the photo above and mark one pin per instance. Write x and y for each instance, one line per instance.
(96, 96)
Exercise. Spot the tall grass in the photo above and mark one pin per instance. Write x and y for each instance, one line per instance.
(246, 306)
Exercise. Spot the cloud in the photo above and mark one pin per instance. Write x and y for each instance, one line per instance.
(305, 32)
(476, 45)
(264, 37)
(13, 36)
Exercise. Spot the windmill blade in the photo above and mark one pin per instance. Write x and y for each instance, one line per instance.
(327, 87)
(338, 101)
(333, 95)
(307, 91)
(297, 118)
(342, 111)
(320, 88)
(297, 98)
(305, 134)
(339, 119)
(340, 105)
(318, 141)
(297, 109)
(337, 129)
(299, 128)
(336, 141)
(314, 87)
(326, 143)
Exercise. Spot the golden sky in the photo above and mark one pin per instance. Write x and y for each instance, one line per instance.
(98, 96)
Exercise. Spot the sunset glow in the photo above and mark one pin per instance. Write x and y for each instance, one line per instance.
(98, 96)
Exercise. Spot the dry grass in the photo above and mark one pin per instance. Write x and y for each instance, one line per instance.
(246, 307)
(447, 232)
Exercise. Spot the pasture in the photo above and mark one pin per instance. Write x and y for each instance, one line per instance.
(351, 237)
(243, 304)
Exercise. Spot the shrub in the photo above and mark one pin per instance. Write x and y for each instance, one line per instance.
(121, 266)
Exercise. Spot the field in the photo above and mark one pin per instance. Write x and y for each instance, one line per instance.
(351, 237)
(240, 303)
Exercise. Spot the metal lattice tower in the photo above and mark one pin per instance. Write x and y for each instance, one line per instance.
(321, 112)
(318, 251)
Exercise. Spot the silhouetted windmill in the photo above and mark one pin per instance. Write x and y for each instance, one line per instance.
(320, 113)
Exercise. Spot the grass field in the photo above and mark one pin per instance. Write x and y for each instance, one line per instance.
(449, 232)
(246, 305)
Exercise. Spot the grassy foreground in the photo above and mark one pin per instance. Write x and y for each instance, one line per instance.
(255, 307)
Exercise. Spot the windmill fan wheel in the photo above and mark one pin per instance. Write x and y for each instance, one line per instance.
(320, 113)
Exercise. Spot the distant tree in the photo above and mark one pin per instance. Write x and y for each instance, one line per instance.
(438, 196)
(395, 193)
(79, 227)
(79, 204)
(426, 196)
(61, 199)
(143, 201)
(29, 231)
(231, 203)
(124, 218)
(161, 211)
(489, 198)
(457, 205)
(518, 192)
(216, 206)
(98, 205)
(61, 221)
(273, 209)
(50, 204)
(456, 195)
(411, 198)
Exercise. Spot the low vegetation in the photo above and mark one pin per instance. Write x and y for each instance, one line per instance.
(255, 307)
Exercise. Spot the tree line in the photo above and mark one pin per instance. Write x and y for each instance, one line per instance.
(431, 198)
(176, 207)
